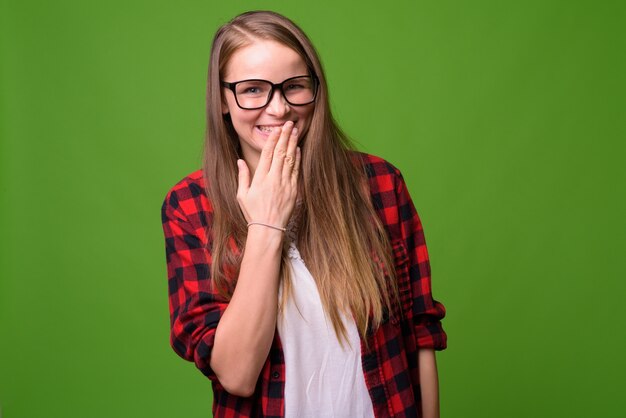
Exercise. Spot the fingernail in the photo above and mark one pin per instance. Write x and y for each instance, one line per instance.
(295, 131)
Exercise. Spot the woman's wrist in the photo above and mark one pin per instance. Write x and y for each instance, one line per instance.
(266, 225)
(264, 238)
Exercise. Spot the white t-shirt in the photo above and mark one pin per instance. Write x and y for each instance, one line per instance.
(323, 379)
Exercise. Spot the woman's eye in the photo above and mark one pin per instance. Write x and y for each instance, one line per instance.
(252, 89)
(295, 86)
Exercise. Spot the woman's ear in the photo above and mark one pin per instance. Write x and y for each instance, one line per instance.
(224, 107)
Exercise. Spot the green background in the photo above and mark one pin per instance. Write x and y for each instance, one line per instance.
(507, 119)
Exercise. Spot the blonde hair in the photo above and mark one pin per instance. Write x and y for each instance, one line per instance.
(346, 248)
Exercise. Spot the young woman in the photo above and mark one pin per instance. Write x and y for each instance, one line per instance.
(299, 280)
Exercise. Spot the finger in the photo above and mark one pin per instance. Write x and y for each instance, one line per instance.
(296, 167)
(280, 150)
(290, 156)
(243, 184)
(267, 153)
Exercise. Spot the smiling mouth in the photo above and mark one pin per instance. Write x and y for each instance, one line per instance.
(269, 128)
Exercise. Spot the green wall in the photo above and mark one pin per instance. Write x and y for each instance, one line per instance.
(507, 119)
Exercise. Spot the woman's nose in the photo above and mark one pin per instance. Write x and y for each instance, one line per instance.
(277, 106)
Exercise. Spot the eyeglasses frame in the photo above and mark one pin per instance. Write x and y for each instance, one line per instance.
(232, 86)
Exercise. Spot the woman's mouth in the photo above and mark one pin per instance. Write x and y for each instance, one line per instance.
(267, 129)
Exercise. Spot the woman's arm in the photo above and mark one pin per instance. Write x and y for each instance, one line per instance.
(246, 330)
(429, 383)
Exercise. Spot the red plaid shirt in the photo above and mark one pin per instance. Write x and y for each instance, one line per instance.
(389, 358)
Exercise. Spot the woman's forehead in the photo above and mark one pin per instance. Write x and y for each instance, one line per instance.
(264, 59)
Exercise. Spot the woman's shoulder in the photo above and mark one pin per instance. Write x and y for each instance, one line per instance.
(188, 194)
(377, 168)
(193, 183)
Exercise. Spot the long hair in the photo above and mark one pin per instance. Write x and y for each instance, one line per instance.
(340, 237)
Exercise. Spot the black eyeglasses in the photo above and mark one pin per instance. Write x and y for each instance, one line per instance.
(255, 94)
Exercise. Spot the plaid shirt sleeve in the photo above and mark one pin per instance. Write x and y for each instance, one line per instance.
(427, 313)
(393, 203)
(195, 309)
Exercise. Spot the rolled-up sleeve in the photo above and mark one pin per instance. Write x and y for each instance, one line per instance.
(427, 313)
(195, 307)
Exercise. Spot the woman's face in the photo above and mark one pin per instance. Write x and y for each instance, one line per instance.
(274, 62)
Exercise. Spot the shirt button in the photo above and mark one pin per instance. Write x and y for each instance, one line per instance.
(275, 375)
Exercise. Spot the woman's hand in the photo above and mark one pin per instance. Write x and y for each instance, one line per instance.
(271, 195)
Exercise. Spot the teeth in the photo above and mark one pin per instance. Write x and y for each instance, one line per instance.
(268, 128)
